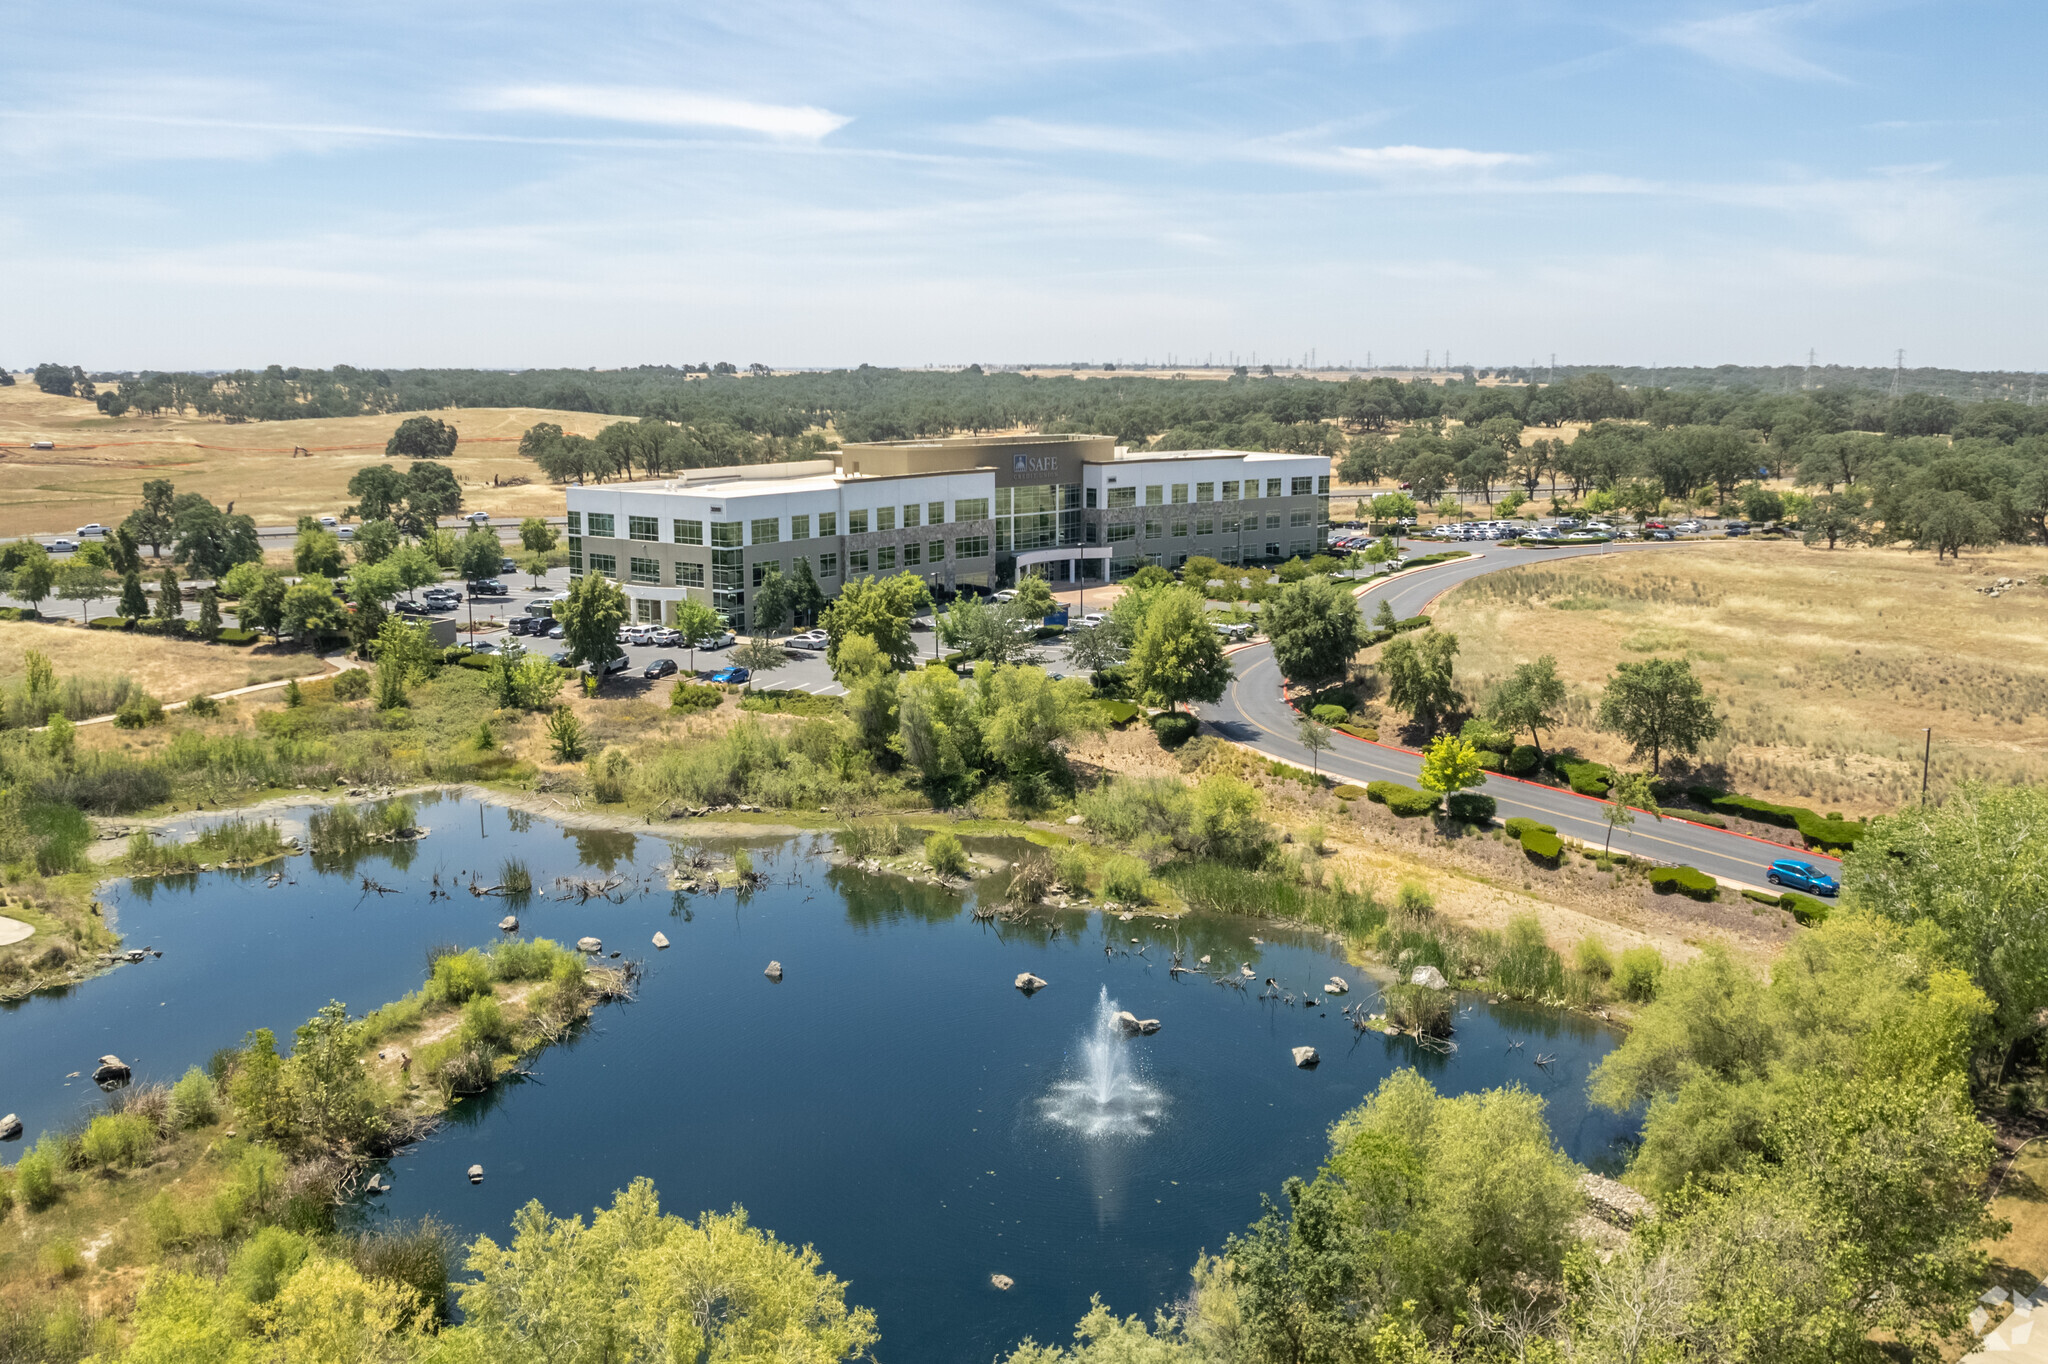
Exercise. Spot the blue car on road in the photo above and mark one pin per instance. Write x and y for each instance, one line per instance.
(1802, 876)
(728, 675)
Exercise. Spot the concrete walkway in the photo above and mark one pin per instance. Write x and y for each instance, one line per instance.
(337, 664)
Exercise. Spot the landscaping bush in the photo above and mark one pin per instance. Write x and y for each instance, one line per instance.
(1175, 728)
(1489, 761)
(1585, 778)
(1520, 825)
(1521, 761)
(1637, 976)
(1348, 792)
(481, 663)
(1120, 712)
(1470, 808)
(237, 636)
(1684, 880)
(1366, 732)
(1330, 715)
(1804, 908)
(1486, 736)
(19, 613)
(1830, 833)
(352, 685)
(943, 851)
(1542, 845)
(111, 623)
(1404, 801)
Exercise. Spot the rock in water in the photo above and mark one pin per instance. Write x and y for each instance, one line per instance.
(774, 972)
(590, 945)
(1205, 961)
(661, 940)
(1148, 1026)
(1029, 983)
(1306, 1057)
(1337, 986)
(10, 1127)
(1127, 1020)
(1002, 1281)
(1430, 976)
(476, 1174)
(510, 923)
(1247, 972)
(110, 1070)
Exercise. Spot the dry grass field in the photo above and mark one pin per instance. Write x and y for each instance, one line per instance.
(100, 463)
(169, 669)
(1826, 664)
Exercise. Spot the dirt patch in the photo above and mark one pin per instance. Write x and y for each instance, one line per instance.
(169, 669)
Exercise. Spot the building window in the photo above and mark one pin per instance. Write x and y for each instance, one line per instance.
(575, 523)
(1152, 529)
(828, 565)
(885, 559)
(1003, 535)
(1272, 520)
(828, 523)
(970, 509)
(1272, 549)
(1323, 485)
(1205, 525)
(913, 554)
(970, 546)
(1301, 487)
(1272, 487)
(689, 532)
(1230, 554)
(605, 565)
(885, 520)
(935, 552)
(767, 529)
(1299, 518)
(1123, 497)
(1230, 490)
(857, 561)
(725, 534)
(601, 525)
(1152, 561)
(1300, 549)
(1094, 533)
(643, 528)
(911, 512)
(1004, 500)
(935, 514)
(799, 527)
(1155, 494)
(1180, 494)
(689, 575)
(1180, 528)
(1205, 492)
(646, 611)
(575, 555)
(1230, 525)
(761, 570)
(857, 523)
(1118, 534)
(1091, 499)
(645, 571)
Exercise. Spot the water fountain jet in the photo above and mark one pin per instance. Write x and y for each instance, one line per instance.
(1102, 1095)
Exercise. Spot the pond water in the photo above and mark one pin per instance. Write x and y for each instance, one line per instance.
(894, 1101)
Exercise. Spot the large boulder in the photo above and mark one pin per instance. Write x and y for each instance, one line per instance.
(1148, 1026)
(590, 945)
(1337, 986)
(1306, 1057)
(1430, 976)
(111, 1070)
(476, 1174)
(10, 1127)
(509, 924)
(1127, 1020)
(661, 941)
(1002, 1281)
(774, 972)
(1029, 983)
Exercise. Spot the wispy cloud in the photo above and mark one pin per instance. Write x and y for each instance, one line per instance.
(1753, 40)
(664, 108)
(1303, 148)
(1407, 158)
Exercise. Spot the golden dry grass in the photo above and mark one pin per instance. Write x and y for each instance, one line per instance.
(173, 670)
(1826, 664)
(100, 463)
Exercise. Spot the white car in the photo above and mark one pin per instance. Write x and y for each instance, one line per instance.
(61, 546)
(346, 533)
(329, 522)
(715, 641)
(809, 639)
(639, 634)
(1006, 595)
(91, 531)
(1235, 632)
(478, 518)
(1092, 619)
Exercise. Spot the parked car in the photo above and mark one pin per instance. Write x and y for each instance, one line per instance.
(489, 587)
(1788, 871)
(636, 634)
(409, 608)
(42, 445)
(483, 646)
(93, 531)
(1233, 631)
(665, 638)
(526, 625)
(1092, 619)
(561, 658)
(717, 641)
(617, 663)
(660, 667)
(62, 546)
(809, 639)
(1662, 535)
(1654, 525)
(507, 566)
(554, 632)
(733, 675)
(1006, 595)
(1736, 528)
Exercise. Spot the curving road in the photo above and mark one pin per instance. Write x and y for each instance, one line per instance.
(1255, 712)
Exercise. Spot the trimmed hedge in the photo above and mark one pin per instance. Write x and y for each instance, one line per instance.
(237, 637)
(1489, 761)
(1120, 712)
(1361, 732)
(1330, 715)
(19, 613)
(475, 662)
(1405, 801)
(1521, 761)
(1175, 728)
(1521, 824)
(1804, 908)
(1470, 808)
(1833, 835)
(110, 623)
(173, 629)
(1686, 881)
(1585, 778)
(1543, 845)
(1442, 556)
(1348, 791)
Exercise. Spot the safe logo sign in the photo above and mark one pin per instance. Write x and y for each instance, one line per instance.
(1034, 464)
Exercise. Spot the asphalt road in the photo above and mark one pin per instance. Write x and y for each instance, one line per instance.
(1256, 713)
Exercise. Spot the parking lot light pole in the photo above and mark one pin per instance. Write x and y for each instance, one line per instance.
(1926, 755)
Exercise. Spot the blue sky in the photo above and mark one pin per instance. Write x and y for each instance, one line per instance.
(213, 184)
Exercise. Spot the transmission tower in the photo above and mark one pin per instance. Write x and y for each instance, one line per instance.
(1898, 372)
(1553, 367)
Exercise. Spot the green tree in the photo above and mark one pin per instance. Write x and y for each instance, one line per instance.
(591, 618)
(414, 567)
(535, 566)
(211, 541)
(565, 735)
(376, 541)
(1034, 601)
(85, 584)
(1029, 717)
(151, 523)
(771, 602)
(35, 575)
(1659, 706)
(134, 605)
(311, 610)
(694, 621)
(421, 438)
(337, 1101)
(1227, 822)
(1393, 507)
(207, 627)
(1316, 629)
(261, 607)
(406, 655)
(870, 681)
(123, 556)
(1177, 655)
(1528, 699)
(375, 582)
(317, 551)
(1315, 737)
(982, 630)
(880, 609)
(170, 597)
(1629, 794)
(938, 729)
(379, 493)
(761, 655)
(536, 536)
(1834, 518)
(1951, 522)
(1419, 668)
(1450, 765)
(478, 554)
(431, 493)
(806, 599)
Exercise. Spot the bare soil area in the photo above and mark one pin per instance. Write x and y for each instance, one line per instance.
(169, 669)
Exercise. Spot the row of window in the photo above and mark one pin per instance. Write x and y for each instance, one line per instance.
(728, 577)
(1038, 501)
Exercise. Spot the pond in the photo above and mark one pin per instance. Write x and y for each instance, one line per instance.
(894, 1100)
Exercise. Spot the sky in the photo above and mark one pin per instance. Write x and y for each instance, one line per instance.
(514, 184)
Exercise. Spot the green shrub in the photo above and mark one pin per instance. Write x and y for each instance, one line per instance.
(1804, 908)
(138, 710)
(111, 623)
(1175, 728)
(1366, 732)
(19, 613)
(61, 1259)
(1489, 761)
(194, 1101)
(1528, 967)
(1404, 801)
(237, 636)
(1586, 778)
(1348, 792)
(162, 1226)
(1520, 825)
(945, 855)
(1470, 808)
(480, 663)
(1486, 736)
(1591, 958)
(686, 695)
(1541, 846)
(484, 1026)
(352, 685)
(35, 1174)
(1330, 715)
(461, 976)
(1638, 974)
(1521, 761)
(122, 1140)
(1684, 880)
(1418, 1007)
(265, 1261)
(1070, 864)
(1829, 833)
(1124, 878)
(1120, 712)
